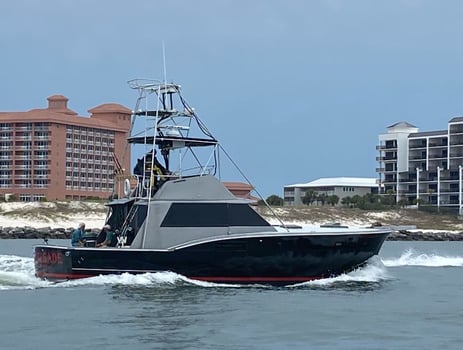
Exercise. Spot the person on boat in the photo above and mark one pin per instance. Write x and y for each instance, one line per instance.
(143, 165)
(109, 237)
(77, 235)
(154, 173)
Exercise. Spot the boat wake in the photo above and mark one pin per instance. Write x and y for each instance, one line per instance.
(413, 258)
(367, 277)
(17, 272)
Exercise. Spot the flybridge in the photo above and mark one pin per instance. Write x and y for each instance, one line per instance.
(170, 125)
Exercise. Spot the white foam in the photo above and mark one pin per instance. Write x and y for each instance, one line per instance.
(16, 263)
(412, 258)
(373, 271)
(146, 279)
(18, 273)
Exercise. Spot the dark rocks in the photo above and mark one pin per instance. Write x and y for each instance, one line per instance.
(38, 233)
(425, 236)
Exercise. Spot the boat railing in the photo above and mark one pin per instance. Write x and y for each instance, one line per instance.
(153, 85)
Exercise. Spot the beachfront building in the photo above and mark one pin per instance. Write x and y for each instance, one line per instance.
(54, 154)
(339, 186)
(423, 168)
(241, 190)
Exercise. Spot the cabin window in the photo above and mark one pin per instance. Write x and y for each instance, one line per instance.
(211, 215)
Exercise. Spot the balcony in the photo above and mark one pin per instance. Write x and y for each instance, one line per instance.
(456, 129)
(417, 147)
(456, 140)
(24, 128)
(437, 156)
(438, 145)
(23, 147)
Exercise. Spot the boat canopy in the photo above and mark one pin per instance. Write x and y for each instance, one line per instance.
(171, 141)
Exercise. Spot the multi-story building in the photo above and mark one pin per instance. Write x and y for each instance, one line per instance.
(339, 186)
(423, 167)
(54, 154)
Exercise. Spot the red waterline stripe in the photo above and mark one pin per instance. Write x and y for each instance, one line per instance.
(254, 279)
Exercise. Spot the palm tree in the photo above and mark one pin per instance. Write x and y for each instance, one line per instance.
(333, 200)
(309, 197)
(274, 200)
(346, 201)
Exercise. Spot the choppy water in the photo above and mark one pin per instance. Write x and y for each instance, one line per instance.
(410, 297)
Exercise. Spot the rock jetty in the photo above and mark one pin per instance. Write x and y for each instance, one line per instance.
(425, 236)
(38, 233)
(63, 233)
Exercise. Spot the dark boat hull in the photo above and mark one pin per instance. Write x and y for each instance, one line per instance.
(270, 260)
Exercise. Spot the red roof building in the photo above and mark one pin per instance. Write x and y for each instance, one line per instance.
(240, 190)
(54, 154)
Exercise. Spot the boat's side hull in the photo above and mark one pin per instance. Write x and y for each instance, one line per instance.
(281, 259)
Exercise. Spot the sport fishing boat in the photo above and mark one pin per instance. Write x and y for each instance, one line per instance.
(182, 218)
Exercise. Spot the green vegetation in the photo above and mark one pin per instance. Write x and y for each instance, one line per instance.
(369, 201)
(272, 200)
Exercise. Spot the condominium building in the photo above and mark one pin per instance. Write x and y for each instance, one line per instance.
(54, 154)
(422, 167)
(339, 186)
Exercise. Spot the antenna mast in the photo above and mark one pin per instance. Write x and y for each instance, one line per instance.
(164, 61)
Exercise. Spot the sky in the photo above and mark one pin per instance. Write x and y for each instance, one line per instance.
(295, 90)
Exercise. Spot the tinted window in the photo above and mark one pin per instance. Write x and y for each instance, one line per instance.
(211, 215)
(244, 215)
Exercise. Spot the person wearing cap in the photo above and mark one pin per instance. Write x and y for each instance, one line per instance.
(77, 235)
(109, 235)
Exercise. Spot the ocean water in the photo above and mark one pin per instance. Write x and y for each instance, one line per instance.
(408, 297)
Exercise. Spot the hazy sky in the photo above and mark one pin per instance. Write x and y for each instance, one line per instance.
(295, 90)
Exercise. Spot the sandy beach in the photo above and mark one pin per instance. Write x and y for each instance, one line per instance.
(52, 214)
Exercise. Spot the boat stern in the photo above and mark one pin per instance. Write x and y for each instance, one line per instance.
(53, 262)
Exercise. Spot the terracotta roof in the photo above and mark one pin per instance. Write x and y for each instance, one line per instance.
(110, 108)
(56, 116)
(57, 98)
(238, 185)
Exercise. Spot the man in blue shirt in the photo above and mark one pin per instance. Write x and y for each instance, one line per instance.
(77, 234)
